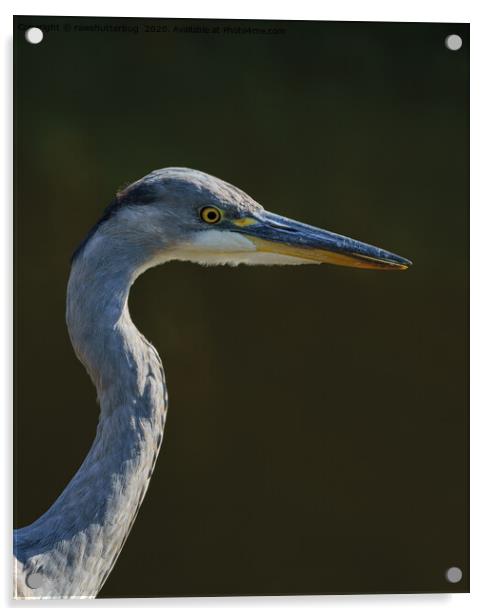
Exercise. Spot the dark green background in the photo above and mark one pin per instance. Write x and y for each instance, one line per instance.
(317, 438)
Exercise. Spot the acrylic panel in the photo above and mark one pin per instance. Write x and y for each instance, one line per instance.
(314, 419)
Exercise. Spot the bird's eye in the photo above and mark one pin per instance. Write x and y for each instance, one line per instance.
(211, 215)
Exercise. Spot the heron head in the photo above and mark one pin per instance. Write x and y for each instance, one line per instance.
(183, 214)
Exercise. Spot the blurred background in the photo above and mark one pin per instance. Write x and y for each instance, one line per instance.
(317, 436)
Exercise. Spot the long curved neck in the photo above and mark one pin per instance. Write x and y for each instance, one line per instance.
(74, 545)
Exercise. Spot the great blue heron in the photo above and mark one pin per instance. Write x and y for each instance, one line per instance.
(172, 213)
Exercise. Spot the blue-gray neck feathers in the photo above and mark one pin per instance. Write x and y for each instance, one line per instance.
(75, 544)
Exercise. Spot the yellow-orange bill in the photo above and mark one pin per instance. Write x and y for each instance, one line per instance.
(279, 235)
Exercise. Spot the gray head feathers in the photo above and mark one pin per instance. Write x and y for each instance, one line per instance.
(178, 190)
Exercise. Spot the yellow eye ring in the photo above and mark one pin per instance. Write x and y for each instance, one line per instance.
(211, 215)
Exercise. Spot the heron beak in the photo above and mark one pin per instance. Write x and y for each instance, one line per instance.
(276, 234)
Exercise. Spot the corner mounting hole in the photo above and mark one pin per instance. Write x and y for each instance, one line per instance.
(34, 35)
(34, 580)
(453, 42)
(454, 575)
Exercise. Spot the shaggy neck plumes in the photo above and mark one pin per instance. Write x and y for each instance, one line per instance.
(84, 530)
